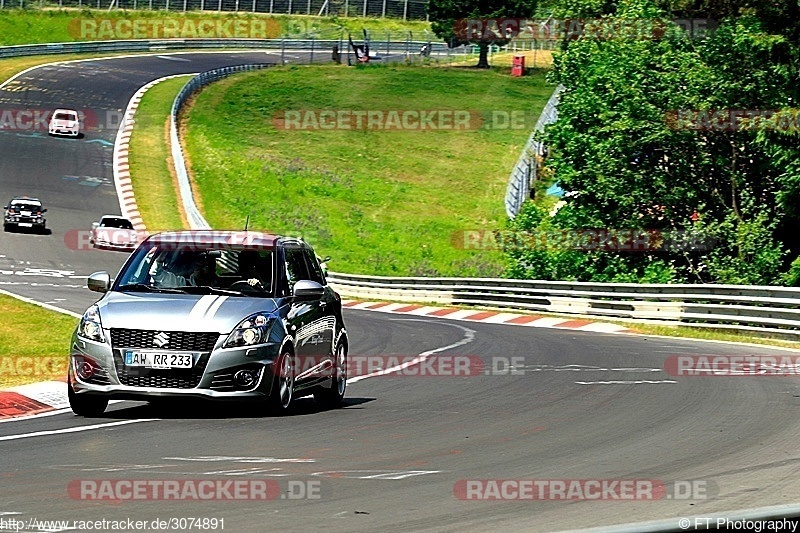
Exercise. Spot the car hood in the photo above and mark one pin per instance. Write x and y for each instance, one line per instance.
(178, 312)
(63, 122)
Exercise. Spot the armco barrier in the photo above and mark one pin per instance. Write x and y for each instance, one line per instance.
(774, 310)
(524, 172)
(159, 45)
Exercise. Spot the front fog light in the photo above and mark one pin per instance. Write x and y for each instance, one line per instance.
(245, 378)
(85, 368)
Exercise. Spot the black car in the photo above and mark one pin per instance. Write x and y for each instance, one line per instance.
(24, 212)
(218, 315)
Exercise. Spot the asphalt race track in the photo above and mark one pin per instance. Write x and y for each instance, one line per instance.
(577, 405)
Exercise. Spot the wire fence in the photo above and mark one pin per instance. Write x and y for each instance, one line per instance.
(402, 9)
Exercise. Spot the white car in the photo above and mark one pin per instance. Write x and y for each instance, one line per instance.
(113, 232)
(65, 122)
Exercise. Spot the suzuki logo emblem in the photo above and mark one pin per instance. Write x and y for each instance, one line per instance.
(161, 339)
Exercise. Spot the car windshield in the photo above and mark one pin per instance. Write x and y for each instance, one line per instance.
(122, 223)
(196, 270)
(23, 206)
(66, 116)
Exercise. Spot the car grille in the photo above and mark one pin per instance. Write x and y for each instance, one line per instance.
(178, 340)
(176, 378)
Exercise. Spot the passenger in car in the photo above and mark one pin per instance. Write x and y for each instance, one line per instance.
(204, 273)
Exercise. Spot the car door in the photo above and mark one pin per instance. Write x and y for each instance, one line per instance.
(307, 320)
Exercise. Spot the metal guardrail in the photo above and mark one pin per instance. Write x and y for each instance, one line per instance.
(404, 9)
(774, 310)
(159, 45)
(524, 172)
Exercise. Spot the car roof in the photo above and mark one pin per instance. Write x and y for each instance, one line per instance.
(245, 239)
(61, 110)
(117, 217)
(26, 199)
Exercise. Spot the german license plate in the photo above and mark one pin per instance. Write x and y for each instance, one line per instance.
(158, 359)
(25, 224)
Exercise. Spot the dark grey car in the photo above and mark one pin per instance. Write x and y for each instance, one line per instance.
(209, 314)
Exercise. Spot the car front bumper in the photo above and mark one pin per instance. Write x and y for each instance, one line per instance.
(61, 130)
(213, 371)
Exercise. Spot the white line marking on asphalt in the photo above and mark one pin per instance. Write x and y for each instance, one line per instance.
(215, 458)
(74, 430)
(469, 336)
(637, 382)
(175, 59)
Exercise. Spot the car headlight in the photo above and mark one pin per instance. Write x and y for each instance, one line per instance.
(250, 331)
(90, 326)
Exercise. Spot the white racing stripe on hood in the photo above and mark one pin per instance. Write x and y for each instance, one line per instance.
(202, 305)
(212, 311)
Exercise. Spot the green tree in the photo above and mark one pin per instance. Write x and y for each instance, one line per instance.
(449, 21)
(628, 160)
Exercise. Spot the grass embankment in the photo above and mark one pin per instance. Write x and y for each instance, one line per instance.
(53, 25)
(378, 201)
(23, 341)
(150, 159)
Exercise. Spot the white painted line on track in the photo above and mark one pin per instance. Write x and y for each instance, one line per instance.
(469, 336)
(77, 429)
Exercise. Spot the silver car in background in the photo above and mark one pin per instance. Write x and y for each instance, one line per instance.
(209, 314)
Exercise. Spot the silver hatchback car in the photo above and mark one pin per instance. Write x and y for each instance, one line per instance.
(211, 314)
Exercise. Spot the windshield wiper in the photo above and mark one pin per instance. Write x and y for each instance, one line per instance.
(143, 287)
(208, 289)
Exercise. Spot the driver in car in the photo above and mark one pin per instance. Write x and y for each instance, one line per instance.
(161, 276)
(249, 269)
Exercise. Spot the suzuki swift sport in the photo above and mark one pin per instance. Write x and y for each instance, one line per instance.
(208, 314)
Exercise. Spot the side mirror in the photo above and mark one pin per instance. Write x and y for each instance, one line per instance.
(5, 207)
(307, 289)
(95, 225)
(99, 282)
(325, 259)
(44, 210)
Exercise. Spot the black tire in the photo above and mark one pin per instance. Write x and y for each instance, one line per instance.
(86, 405)
(332, 397)
(282, 393)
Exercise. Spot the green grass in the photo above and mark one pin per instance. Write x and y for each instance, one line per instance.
(31, 332)
(52, 25)
(378, 202)
(150, 161)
